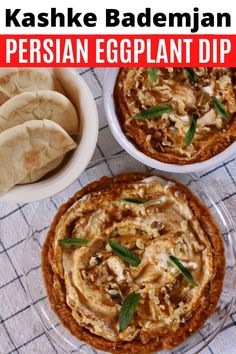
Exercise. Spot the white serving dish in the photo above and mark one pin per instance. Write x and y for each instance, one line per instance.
(111, 166)
(113, 121)
(75, 163)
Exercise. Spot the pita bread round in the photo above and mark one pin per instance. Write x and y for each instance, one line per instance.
(31, 105)
(36, 175)
(28, 147)
(3, 98)
(17, 80)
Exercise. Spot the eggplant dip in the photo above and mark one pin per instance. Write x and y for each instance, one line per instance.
(177, 115)
(133, 264)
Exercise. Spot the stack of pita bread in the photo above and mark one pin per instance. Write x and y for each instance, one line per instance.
(37, 125)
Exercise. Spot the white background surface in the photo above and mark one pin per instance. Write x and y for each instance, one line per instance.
(98, 7)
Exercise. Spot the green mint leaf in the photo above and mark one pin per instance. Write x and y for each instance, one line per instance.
(134, 201)
(127, 310)
(192, 76)
(191, 130)
(125, 254)
(153, 74)
(219, 108)
(187, 275)
(74, 242)
(153, 112)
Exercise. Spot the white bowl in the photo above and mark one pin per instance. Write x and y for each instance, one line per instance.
(78, 92)
(113, 121)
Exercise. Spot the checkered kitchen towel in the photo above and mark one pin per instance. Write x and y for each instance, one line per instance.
(20, 332)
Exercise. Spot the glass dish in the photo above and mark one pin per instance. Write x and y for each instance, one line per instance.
(41, 222)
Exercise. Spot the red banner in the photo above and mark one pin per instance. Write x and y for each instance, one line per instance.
(118, 50)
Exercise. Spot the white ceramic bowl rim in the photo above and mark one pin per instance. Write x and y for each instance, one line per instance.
(80, 157)
(108, 88)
